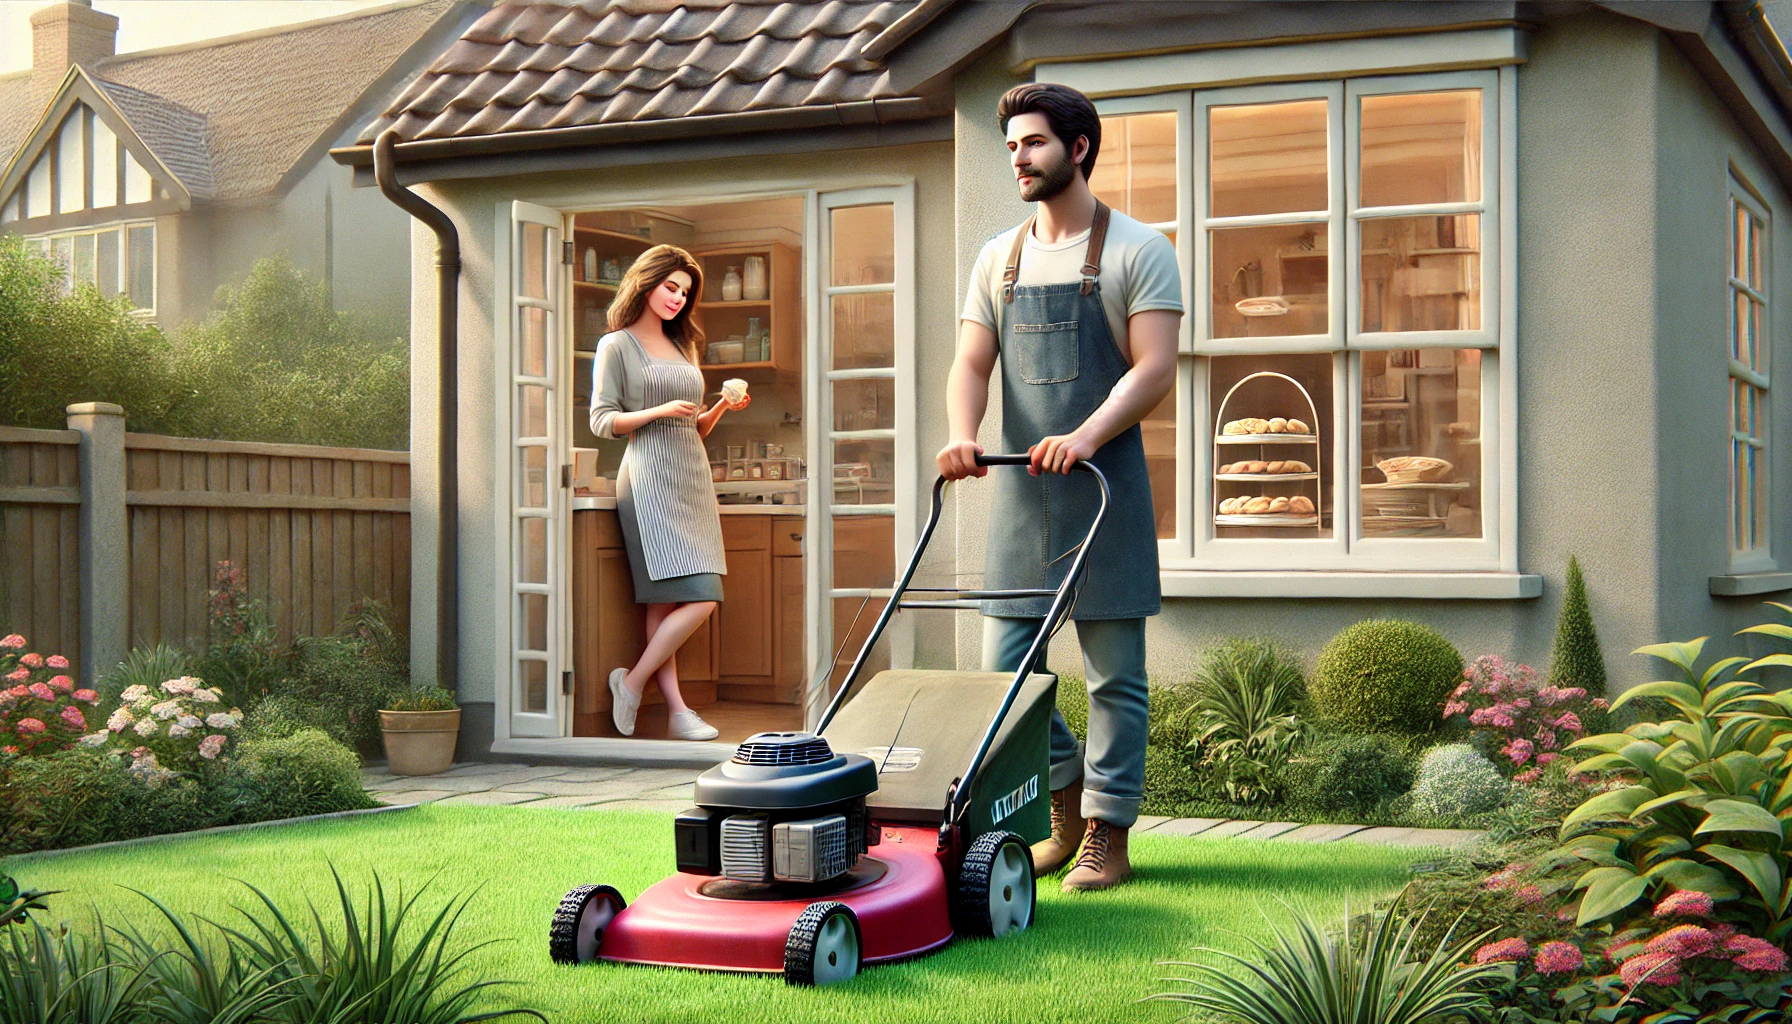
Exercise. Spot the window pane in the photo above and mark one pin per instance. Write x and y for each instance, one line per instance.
(1267, 158)
(142, 266)
(535, 622)
(1421, 148)
(1421, 422)
(532, 402)
(84, 259)
(1270, 282)
(62, 250)
(865, 472)
(1159, 429)
(106, 263)
(535, 686)
(864, 245)
(1249, 500)
(534, 462)
(534, 351)
(534, 283)
(864, 551)
(535, 549)
(865, 404)
(864, 330)
(1422, 274)
(1135, 172)
(1739, 318)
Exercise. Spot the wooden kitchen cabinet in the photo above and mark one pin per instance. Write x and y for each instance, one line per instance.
(745, 617)
(768, 555)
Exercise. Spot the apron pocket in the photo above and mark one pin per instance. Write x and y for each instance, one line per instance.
(1046, 353)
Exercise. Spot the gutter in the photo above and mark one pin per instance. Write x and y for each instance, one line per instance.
(858, 112)
(447, 402)
(1749, 22)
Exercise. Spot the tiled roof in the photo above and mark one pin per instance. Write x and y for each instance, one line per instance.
(16, 115)
(528, 66)
(173, 133)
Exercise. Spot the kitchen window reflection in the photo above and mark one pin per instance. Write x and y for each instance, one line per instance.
(1421, 443)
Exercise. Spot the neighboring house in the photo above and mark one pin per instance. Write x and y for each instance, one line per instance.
(1535, 247)
(164, 174)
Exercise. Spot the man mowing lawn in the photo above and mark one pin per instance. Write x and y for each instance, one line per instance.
(1082, 318)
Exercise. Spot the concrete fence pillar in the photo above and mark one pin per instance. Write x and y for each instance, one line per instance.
(105, 541)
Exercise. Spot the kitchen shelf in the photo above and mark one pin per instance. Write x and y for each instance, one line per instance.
(757, 364)
(1267, 438)
(1442, 485)
(1253, 477)
(738, 304)
(1267, 519)
(606, 285)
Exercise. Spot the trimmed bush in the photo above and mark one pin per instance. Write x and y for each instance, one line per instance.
(1385, 675)
(1170, 780)
(81, 796)
(1576, 659)
(1455, 781)
(1354, 774)
(305, 773)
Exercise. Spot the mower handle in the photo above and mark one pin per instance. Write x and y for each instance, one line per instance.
(1059, 610)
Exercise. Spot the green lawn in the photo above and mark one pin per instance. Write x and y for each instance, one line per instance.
(1088, 957)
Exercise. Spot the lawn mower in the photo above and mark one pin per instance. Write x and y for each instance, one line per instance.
(904, 819)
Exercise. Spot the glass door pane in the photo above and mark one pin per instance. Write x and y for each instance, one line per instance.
(537, 576)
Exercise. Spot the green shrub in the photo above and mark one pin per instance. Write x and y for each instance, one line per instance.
(1386, 675)
(1243, 710)
(433, 698)
(304, 773)
(1355, 774)
(81, 796)
(1073, 704)
(1455, 781)
(1576, 659)
(242, 654)
(1170, 779)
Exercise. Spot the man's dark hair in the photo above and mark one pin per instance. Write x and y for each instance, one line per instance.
(1067, 111)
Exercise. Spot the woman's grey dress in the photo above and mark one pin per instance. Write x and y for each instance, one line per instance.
(665, 499)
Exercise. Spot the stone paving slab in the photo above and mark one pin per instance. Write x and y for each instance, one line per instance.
(413, 796)
(551, 787)
(1269, 830)
(493, 799)
(1318, 833)
(1186, 826)
(1147, 822)
(575, 803)
(1227, 829)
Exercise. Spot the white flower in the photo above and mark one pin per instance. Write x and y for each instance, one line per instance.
(205, 696)
(166, 710)
(179, 687)
(96, 739)
(120, 719)
(221, 720)
(133, 694)
(190, 722)
(147, 727)
(177, 730)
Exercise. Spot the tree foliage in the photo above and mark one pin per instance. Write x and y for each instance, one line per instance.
(1576, 659)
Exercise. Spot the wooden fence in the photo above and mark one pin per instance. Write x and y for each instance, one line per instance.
(314, 530)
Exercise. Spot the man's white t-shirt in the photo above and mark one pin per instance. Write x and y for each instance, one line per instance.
(1138, 273)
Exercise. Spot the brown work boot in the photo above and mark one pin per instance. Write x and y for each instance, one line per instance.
(1067, 830)
(1102, 862)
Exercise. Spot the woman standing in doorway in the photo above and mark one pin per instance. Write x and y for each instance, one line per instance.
(648, 387)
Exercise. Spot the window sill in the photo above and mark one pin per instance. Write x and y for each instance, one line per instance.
(1472, 586)
(1747, 583)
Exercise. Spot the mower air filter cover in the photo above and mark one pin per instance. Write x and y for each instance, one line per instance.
(783, 771)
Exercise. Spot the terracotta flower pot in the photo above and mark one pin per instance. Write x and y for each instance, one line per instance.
(419, 742)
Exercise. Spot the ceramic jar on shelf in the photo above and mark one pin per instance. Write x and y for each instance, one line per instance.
(753, 281)
(731, 286)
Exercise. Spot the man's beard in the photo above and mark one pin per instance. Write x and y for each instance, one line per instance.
(1048, 181)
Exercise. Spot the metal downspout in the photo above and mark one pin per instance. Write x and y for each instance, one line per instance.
(447, 395)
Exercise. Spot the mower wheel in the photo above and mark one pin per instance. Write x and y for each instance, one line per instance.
(995, 886)
(579, 922)
(824, 945)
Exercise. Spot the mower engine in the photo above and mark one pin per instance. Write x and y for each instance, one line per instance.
(786, 808)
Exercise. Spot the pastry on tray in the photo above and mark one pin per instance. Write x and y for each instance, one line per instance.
(1412, 469)
(1256, 506)
(1300, 505)
(1277, 505)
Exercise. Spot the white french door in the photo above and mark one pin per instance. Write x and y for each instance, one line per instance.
(537, 593)
(860, 401)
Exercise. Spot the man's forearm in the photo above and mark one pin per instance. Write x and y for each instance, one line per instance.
(967, 399)
(1132, 398)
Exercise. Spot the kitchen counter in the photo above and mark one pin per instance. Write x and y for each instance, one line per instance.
(584, 502)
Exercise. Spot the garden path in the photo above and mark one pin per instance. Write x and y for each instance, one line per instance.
(619, 787)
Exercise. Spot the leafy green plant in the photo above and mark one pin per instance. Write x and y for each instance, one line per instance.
(16, 904)
(305, 773)
(1576, 659)
(62, 977)
(433, 698)
(1245, 727)
(196, 982)
(1365, 971)
(1385, 675)
(242, 654)
(1703, 798)
(1455, 780)
(148, 667)
(1357, 774)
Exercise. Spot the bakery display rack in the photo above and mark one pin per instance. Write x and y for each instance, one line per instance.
(1283, 520)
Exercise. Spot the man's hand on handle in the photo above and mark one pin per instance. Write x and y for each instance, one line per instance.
(959, 460)
(1059, 453)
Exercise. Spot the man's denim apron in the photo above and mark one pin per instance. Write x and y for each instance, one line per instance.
(1059, 363)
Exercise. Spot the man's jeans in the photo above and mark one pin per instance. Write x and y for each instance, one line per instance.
(1113, 770)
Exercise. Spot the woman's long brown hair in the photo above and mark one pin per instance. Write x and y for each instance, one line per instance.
(644, 275)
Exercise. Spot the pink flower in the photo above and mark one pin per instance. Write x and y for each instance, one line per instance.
(87, 696)
(1682, 941)
(1455, 707)
(1503, 951)
(56, 661)
(1558, 958)
(1654, 968)
(1753, 954)
(1544, 760)
(12, 642)
(1569, 721)
(1685, 903)
(1528, 777)
(9, 750)
(1602, 704)
(32, 660)
(19, 675)
(61, 683)
(40, 691)
(76, 721)
(210, 746)
(1529, 895)
(1518, 750)
(19, 692)
(30, 727)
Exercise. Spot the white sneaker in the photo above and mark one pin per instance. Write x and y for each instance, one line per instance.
(685, 725)
(623, 703)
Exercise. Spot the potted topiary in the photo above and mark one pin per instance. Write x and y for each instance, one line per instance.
(420, 729)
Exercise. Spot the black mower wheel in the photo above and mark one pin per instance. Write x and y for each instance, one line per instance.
(995, 886)
(579, 922)
(824, 947)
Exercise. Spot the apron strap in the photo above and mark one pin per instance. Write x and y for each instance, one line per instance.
(1012, 271)
(1098, 236)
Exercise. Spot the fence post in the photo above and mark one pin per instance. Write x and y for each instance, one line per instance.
(105, 550)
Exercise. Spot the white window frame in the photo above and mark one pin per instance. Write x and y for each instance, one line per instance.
(1195, 546)
(45, 244)
(1757, 557)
